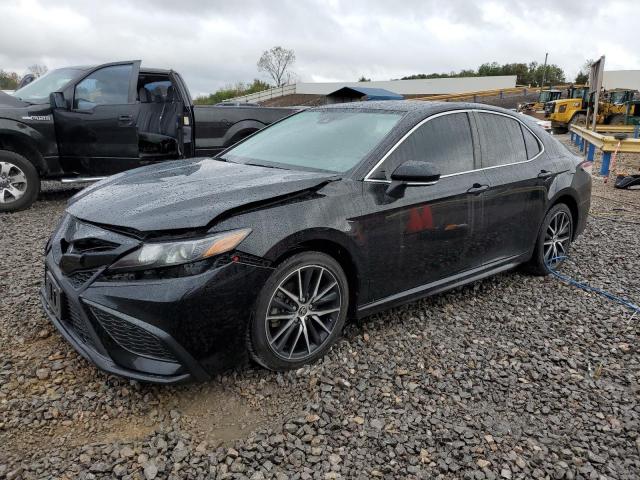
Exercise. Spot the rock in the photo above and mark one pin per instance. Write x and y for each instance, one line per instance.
(43, 373)
(482, 463)
(150, 471)
(377, 424)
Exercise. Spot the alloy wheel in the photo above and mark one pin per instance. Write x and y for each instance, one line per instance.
(303, 312)
(13, 182)
(557, 239)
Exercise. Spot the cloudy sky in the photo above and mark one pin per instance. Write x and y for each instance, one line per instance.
(216, 43)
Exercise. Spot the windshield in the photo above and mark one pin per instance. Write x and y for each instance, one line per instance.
(38, 91)
(326, 140)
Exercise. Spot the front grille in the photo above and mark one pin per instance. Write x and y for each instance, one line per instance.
(78, 279)
(133, 338)
(73, 317)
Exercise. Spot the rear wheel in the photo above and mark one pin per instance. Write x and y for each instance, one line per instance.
(19, 182)
(616, 119)
(300, 312)
(553, 242)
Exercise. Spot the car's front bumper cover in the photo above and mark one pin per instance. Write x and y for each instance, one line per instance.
(161, 331)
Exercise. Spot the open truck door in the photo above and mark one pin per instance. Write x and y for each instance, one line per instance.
(95, 120)
(186, 131)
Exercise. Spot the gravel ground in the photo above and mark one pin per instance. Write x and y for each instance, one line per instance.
(511, 377)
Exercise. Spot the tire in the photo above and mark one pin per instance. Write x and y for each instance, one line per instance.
(579, 119)
(292, 337)
(19, 182)
(616, 119)
(541, 262)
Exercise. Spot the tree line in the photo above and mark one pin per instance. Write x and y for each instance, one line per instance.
(526, 73)
(11, 80)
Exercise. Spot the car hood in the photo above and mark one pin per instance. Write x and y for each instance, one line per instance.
(9, 101)
(185, 193)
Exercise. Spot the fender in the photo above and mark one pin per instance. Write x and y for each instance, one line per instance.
(247, 126)
(331, 241)
(27, 141)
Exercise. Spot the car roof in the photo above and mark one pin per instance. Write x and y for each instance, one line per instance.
(415, 110)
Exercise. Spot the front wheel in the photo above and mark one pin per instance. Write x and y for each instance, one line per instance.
(553, 242)
(19, 182)
(299, 313)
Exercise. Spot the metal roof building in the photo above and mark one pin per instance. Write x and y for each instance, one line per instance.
(355, 94)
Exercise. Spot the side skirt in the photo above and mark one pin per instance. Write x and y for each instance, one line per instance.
(440, 286)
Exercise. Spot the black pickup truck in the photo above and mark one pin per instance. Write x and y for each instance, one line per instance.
(81, 124)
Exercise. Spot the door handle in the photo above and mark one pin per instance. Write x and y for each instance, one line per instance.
(545, 174)
(477, 188)
(125, 119)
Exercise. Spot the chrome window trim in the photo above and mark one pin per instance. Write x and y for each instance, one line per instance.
(451, 112)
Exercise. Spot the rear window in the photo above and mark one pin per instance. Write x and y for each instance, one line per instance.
(501, 140)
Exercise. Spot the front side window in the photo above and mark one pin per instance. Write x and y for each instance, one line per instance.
(445, 141)
(501, 140)
(107, 86)
(323, 140)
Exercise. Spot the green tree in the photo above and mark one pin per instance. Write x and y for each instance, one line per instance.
(582, 77)
(526, 74)
(8, 80)
(364, 79)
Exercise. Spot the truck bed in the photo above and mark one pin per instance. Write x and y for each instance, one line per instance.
(217, 127)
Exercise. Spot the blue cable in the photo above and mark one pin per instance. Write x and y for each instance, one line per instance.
(588, 288)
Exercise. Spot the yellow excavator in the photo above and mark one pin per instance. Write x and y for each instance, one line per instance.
(537, 106)
(573, 110)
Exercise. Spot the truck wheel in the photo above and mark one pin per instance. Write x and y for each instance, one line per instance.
(19, 182)
(579, 119)
(616, 120)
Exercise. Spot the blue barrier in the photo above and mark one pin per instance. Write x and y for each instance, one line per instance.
(591, 150)
(606, 160)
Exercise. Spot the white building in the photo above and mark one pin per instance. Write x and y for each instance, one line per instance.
(432, 86)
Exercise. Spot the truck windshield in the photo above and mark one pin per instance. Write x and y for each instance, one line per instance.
(324, 140)
(38, 91)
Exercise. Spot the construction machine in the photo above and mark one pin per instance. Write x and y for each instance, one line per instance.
(566, 111)
(537, 106)
(632, 113)
(573, 110)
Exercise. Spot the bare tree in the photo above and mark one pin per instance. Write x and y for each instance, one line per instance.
(276, 62)
(38, 70)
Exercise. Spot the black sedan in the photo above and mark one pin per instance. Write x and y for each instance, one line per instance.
(174, 271)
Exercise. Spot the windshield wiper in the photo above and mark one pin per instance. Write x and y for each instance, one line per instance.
(266, 166)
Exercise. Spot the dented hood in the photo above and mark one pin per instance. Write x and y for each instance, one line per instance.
(185, 193)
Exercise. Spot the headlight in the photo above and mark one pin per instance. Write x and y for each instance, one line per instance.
(562, 109)
(166, 254)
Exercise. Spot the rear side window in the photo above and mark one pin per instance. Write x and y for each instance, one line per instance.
(444, 141)
(501, 140)
(531, 142)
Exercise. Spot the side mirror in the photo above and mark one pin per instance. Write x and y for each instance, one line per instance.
(56, 99)
(411, 173)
